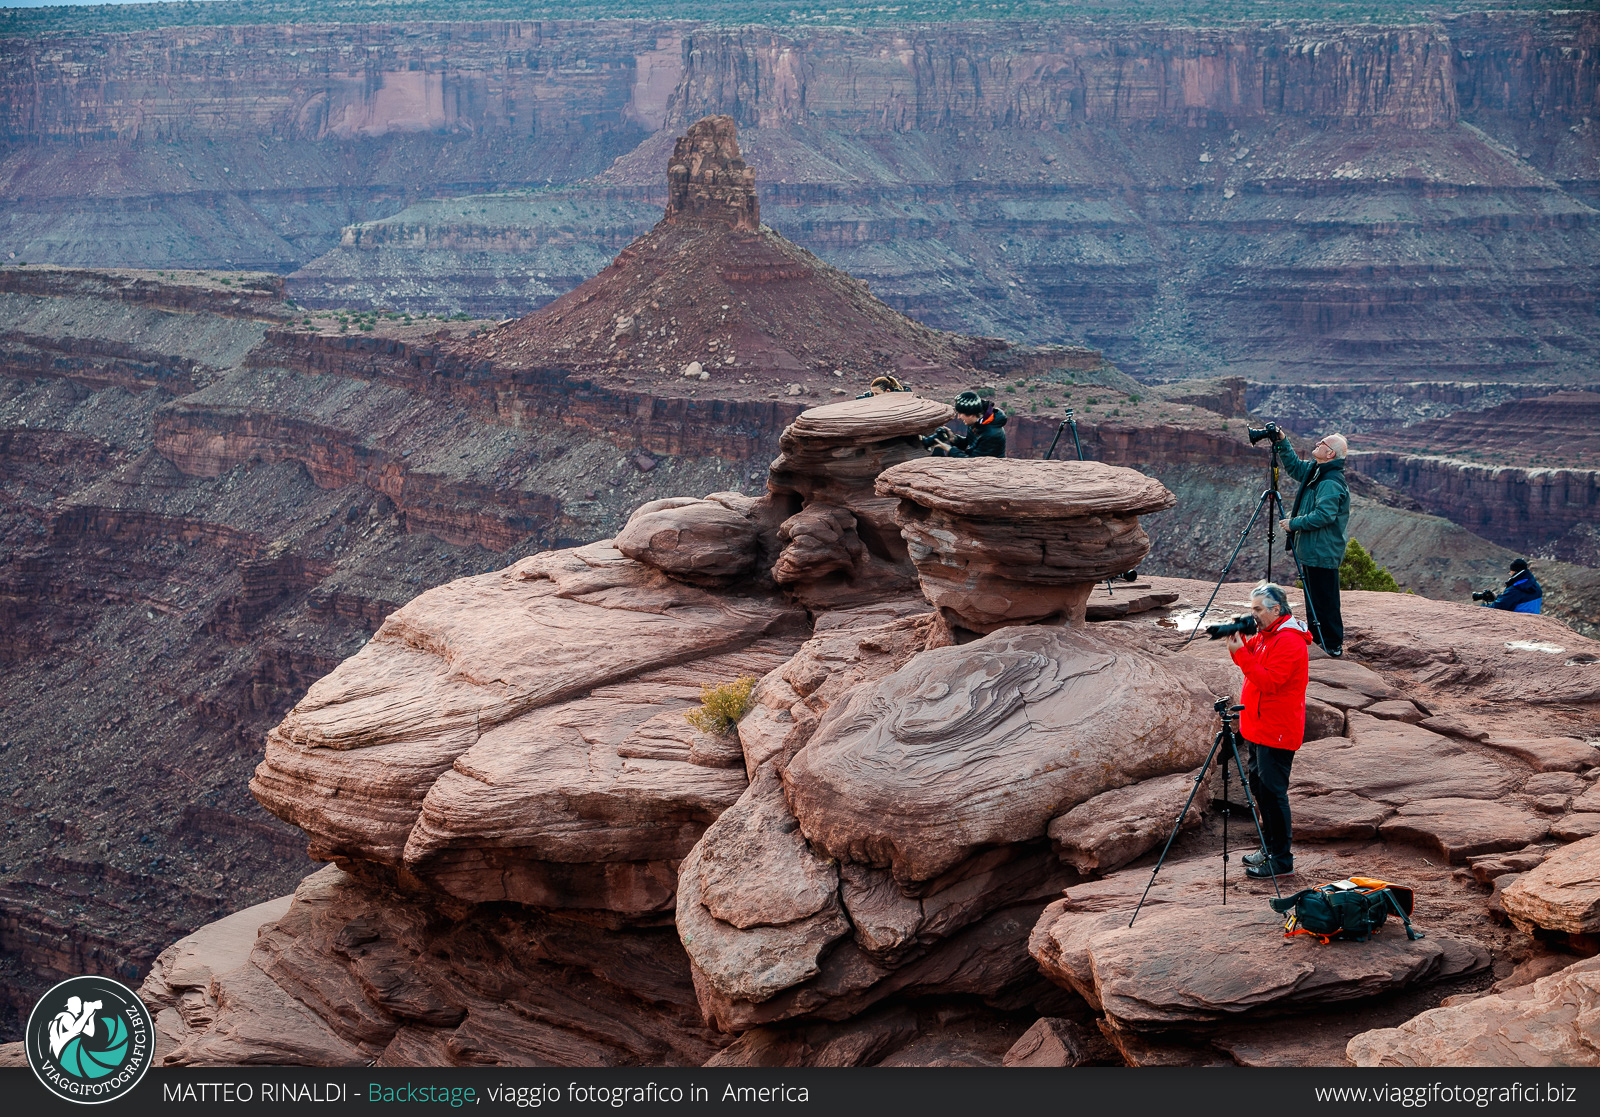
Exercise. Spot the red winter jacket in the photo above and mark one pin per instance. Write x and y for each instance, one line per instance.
(1275, 665)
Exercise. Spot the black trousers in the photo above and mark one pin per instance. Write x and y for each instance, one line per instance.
(1269, 783)
(1322, 591)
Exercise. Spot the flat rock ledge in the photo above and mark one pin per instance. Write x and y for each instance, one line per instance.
(1188, 965)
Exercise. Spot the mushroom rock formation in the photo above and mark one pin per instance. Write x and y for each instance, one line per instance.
(841, 544)
(1000, 542)
(502, 735)
(710, 542)
(707, 179)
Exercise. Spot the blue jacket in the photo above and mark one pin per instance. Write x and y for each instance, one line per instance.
(1521, 595)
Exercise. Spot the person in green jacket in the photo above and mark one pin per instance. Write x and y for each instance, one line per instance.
(1318, 530)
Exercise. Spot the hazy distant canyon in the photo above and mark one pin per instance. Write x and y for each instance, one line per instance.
(1300, 203)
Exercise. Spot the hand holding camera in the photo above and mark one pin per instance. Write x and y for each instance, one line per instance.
(1241, 626)
(1271, 430)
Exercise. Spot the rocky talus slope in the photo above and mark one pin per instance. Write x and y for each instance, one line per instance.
(921, 844)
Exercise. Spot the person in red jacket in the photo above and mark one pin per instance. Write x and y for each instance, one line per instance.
(1275, 664)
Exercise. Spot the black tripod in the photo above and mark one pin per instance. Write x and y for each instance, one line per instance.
(1069, 421)
(1229, 733)
(1273, 503)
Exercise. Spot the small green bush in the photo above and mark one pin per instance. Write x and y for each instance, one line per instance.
(721, 707)
(1359, 571)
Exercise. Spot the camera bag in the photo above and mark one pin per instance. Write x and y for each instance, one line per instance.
(1346, 909)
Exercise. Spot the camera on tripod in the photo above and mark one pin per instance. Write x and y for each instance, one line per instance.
(1271, 430)
(1244, 624)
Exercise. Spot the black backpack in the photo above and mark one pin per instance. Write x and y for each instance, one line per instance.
(1346, 909)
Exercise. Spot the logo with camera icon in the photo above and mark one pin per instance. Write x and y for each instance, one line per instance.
(90, 1040)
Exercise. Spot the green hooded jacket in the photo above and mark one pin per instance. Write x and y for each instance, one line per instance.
(1321, 517)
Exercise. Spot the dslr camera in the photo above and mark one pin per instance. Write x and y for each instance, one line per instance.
(1486, 595)
(929, 441)
(1271, 430)
(1244, 624)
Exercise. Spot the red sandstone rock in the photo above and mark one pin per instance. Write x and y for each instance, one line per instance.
(711, 285)
(984, 743)
(1179, 966)
(1337, 815)
(356, 972)
(1561, 894)
(587, 803)
(707, 542)
(1549, 1023)
(1392, 762)
(1323, 720)
(999, 541)
(1394, 709)
(1113, 828)
(1461, 828)
(1549, 754)
(1050, 1042)
(843, 545)
(708, 182)
(376, 734)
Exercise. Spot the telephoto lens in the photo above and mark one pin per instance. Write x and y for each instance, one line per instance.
(1244, 624)
(1269, 431)
(1486, 595)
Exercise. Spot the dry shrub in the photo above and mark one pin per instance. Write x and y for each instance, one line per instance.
(721, 707)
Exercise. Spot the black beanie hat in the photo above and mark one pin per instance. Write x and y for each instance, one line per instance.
(1519, 565)
(969, 403)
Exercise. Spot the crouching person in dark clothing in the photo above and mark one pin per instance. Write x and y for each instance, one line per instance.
(1522, 594)
(986, 433)
(1275, 663)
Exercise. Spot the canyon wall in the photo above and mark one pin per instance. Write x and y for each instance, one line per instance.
(1302, 202)
(1008, 75)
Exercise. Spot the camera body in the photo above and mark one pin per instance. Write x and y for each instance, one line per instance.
(1244, 624)
(942, 435)
(1271, 430)
(1486, 595)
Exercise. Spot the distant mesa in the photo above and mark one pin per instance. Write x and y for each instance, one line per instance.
(710, 286)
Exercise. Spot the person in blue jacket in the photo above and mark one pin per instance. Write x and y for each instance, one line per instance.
(1522, 593)
(1318, 530)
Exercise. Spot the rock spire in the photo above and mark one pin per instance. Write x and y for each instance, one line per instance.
(707, 180)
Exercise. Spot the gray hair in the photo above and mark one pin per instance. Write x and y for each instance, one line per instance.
(1274, 593)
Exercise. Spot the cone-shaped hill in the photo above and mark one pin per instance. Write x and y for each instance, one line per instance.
(709, 285)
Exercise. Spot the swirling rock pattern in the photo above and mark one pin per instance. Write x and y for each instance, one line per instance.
(984, 743)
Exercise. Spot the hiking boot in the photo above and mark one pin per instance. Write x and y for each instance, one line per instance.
(1337, 653)
(1259, 857)
(1269, 869)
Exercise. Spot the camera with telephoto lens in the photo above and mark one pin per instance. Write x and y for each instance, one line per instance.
(1486, 595)
(1244, 624)
(929, 441)
(1271, 430)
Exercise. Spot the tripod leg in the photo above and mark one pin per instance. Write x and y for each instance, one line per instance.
(1177, 825)
(1255, 814)
(1243, 535)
